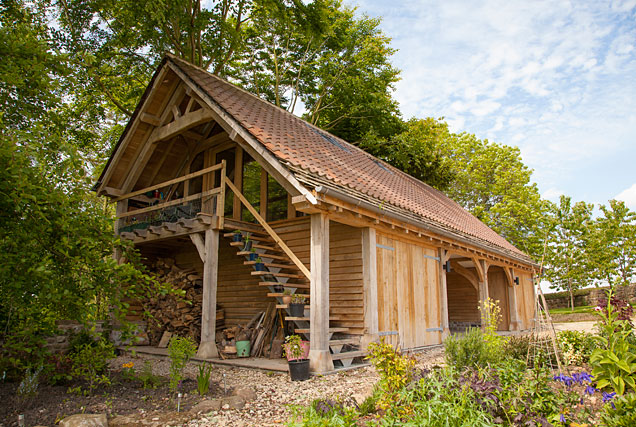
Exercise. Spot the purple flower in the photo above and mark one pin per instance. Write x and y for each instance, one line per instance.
(562, 418)
(608, 396)
(590, 389)
(580, 377)
(568, 381)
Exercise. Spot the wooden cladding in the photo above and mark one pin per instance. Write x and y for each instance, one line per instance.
(408, 292)
(463, 299)
(345, 268)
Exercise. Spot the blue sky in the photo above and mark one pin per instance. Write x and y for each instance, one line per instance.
(555, 78)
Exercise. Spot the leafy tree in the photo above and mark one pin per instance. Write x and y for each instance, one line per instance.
(566, 251)
(417, 150)
(612, 244)
(493, 183)
(56, 239)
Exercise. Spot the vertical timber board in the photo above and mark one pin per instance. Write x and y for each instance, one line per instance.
(443, 293)
(319, 356)
(387, 292)
(463, 299)
(370, 285)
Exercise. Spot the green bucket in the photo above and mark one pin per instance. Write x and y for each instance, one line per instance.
(243, 348)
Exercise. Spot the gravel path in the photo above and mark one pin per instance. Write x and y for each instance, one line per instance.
(276, 394)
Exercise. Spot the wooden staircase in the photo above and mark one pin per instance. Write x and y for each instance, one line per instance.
(281, 271)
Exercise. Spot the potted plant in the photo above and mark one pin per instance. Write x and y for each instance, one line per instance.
(287, 296)
(252, 255)
(248, 243)
(296, 351)
(238, 236)
(259, 266)
(297, 305)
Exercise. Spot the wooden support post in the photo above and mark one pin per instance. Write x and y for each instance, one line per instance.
(320, 359)
(512, 300)
(370, 287)
(482, 271)
(122, 207)
(443, 294)
(207, 348)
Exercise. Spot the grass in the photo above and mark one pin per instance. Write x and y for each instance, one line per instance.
(568, 310)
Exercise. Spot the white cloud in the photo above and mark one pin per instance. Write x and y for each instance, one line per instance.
(553, 77)
(552, 194)
(628, 196)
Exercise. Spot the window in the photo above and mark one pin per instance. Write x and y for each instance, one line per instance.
(251, 186)
(276, 200)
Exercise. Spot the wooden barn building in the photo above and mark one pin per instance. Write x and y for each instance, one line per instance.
(378, 252)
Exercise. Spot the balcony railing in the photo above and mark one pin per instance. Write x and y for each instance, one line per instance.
(159, 203)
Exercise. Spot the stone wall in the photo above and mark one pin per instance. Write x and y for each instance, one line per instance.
(590, 296)
(60, 343)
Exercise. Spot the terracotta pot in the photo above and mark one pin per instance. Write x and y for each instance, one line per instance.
(286, 299)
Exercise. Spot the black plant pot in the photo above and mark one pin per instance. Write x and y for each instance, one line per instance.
(253, 256)
(237, 237)
(299, 369)
(296, 310)
(248, 246)
(259, 266)
(279, 288)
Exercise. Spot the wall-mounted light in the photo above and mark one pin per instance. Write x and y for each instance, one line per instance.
(447, 267)
(516, 280)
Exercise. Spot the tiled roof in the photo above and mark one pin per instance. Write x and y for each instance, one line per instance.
(313, 152)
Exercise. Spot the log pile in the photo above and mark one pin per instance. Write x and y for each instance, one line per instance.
(179, 315)
(263, 331)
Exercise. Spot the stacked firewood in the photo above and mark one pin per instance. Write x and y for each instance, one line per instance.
(180, 315)
(264, 331)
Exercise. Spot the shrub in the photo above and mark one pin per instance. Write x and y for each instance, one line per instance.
(620, 412)
(395, 370)
(180, 350)
(89, 364)
(575, 347)
(28, 387)
(147, 378)
(473, 349)
(614, 360)
(325, 413)
(21, 350)
(203, 378)
(518, 347)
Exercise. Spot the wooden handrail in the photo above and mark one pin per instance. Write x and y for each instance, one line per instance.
(269, 229)
(172, 181)
(216, 190)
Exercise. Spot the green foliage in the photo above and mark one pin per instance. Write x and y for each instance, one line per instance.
(147, 378)
(517, 346)
(203, 378)
(22, 350)
(575, 347)
(612, 245)
(472, 349)
(324, 413)
(416, 150)
(90, 363)
(620, 412)
(613, 361)
(394, 368)
(28, 387)
(293, 346)
(566, 252)
(180, 350)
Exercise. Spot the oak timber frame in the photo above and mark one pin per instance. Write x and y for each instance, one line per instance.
(189, 114)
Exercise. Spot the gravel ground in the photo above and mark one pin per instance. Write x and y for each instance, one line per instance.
(276, 394)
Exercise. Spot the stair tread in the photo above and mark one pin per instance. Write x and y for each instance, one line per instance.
(269, 273)
(271, 264)
(331, 330)
(279, 294)
(350, 341)
(252, 237)
(287, 285)
(348, 355)
(266, 255)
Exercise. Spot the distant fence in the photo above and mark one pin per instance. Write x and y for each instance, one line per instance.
(590, 296)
